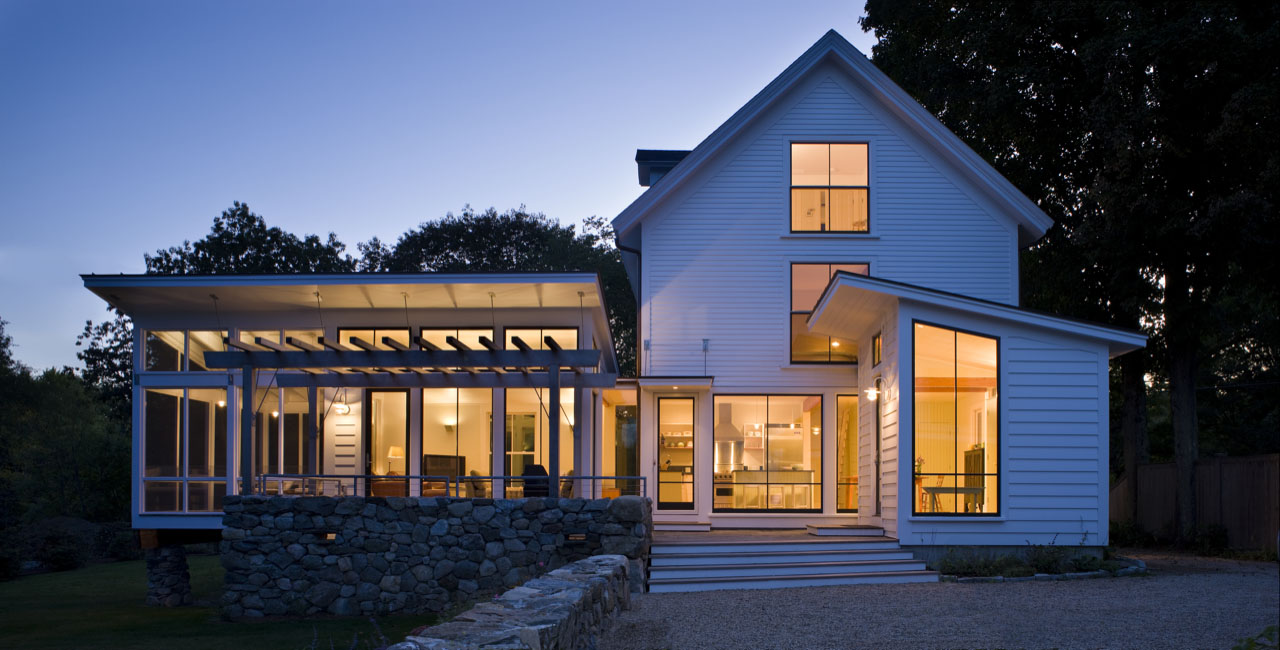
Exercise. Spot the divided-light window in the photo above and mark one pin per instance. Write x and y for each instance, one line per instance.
(829, 188)
(957, 415)
(807, 284)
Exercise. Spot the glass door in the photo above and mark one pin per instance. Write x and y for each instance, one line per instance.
(675, 453)
(386, 443)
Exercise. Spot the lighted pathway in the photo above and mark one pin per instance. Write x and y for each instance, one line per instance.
(1187, 602)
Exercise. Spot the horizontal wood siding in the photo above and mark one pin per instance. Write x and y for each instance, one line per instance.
(716, 253)
(1053, 439)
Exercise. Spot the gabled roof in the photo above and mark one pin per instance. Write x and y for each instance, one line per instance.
(852, 300)
(1032, 222)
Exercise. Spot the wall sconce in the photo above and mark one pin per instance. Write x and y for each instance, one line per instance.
(450, 429)
(872, 394)
(222, 403)
(341, 407)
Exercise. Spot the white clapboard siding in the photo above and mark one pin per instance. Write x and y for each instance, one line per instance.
(1052, 445)
(716, 253)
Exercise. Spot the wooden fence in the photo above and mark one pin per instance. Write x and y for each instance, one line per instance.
(1241, 494)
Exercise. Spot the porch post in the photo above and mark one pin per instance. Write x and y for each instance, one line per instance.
(312, 463)
(246, 431)
(553, 431)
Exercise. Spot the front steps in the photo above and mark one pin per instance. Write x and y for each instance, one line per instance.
(723, 562)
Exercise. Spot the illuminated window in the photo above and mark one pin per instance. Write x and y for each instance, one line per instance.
(456, 440)
(957, 414)
(768, 452)
(807, 283)
(829, 188)
(357, 339)
(469, 337)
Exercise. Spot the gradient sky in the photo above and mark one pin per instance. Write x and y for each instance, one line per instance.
(128, 126)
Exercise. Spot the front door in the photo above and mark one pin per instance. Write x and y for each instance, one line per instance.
(676, 436)
(386, 426)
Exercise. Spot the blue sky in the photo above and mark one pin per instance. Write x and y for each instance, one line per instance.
(127, 126)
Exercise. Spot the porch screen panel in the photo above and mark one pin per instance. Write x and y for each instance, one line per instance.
(162, 350)
(528, 440)
(956, 422)
(455, 438)
(162, 450)
(201, 342)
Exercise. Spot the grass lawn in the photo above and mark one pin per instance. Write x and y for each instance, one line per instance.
(101, 607)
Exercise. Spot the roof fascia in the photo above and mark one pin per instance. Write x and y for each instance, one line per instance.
(92, 281)
(1032, 221)
(1119, 340)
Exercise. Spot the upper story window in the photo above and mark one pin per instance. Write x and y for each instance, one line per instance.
(349, 337)
(829, 187)
(469, 337)
(807, 284)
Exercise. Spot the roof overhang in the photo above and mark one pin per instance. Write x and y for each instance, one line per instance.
(853, 303)
(1031, 221)
(157, 294)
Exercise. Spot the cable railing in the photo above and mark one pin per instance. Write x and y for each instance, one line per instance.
(473, 486)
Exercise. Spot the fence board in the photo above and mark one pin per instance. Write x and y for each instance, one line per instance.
(1241, 494)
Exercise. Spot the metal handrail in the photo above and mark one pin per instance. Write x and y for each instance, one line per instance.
(450, 484)
(644, 483)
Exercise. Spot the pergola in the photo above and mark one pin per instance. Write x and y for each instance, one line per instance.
(331, 364)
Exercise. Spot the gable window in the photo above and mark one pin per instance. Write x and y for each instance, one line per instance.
(807, 283)
(829, 187)
(957, 414)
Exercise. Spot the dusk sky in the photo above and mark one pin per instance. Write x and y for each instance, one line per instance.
(128, 126)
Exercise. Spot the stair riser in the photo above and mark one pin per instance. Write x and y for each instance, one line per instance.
(767, 571)
(782, 583)
(770, 547)
(708, 559)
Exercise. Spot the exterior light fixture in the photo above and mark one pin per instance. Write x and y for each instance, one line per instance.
(222, 403)
(835, 344)
(341, 407)
(275, 414)
(872, 394)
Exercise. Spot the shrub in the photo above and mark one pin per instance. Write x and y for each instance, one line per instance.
(1209, 539)
(1046, 558)
(10, 559)
(1083, 562)
(118, 542)
(1127, 533)
(1266, 640)
(977, 564)
(60, 550)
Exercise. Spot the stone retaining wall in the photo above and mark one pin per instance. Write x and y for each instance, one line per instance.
(375, 555)
(563, 610)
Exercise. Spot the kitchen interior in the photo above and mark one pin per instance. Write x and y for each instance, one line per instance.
(768, 453)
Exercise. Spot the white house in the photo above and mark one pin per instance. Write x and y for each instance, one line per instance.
(829, 333)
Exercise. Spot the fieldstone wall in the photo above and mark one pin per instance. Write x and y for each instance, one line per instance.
(168, 579)
(376, 555)
(563, 610)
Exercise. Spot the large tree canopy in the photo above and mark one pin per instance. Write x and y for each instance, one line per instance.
(1149, 133)
(516, 240)
(241, 242)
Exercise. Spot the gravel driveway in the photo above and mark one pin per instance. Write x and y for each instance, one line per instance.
(1186, 602)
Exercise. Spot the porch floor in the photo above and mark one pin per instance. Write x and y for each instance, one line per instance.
(749, 536)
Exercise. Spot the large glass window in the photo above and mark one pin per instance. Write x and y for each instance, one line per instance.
(527, 433)
(807, 284)
(386, 450)
(847, 453)
(675, 452)
(162, 350)
(829, 187)
(957, 413)
(184, 438)
(456, 438)
(768, 453)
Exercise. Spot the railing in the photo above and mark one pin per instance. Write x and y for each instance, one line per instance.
(511, 487)
(354, 485)
(593, 487)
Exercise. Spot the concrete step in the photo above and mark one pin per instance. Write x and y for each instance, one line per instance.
(684, 526)
(756, 557)
(776, 546)
(779, 569)
(668, 585)
(844, 530)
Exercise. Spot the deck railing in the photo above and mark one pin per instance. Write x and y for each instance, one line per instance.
(474, 486)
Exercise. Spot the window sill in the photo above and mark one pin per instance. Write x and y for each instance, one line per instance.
(830, 235)
(956, 518)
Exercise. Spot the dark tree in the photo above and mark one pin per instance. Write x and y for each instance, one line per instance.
(106, 350)
(1149, 133)
(241, 242)
(7, 362)
(517, 240)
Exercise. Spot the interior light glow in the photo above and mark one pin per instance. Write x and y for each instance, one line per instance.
(222, 403)
(835, 344)
(275, 414)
